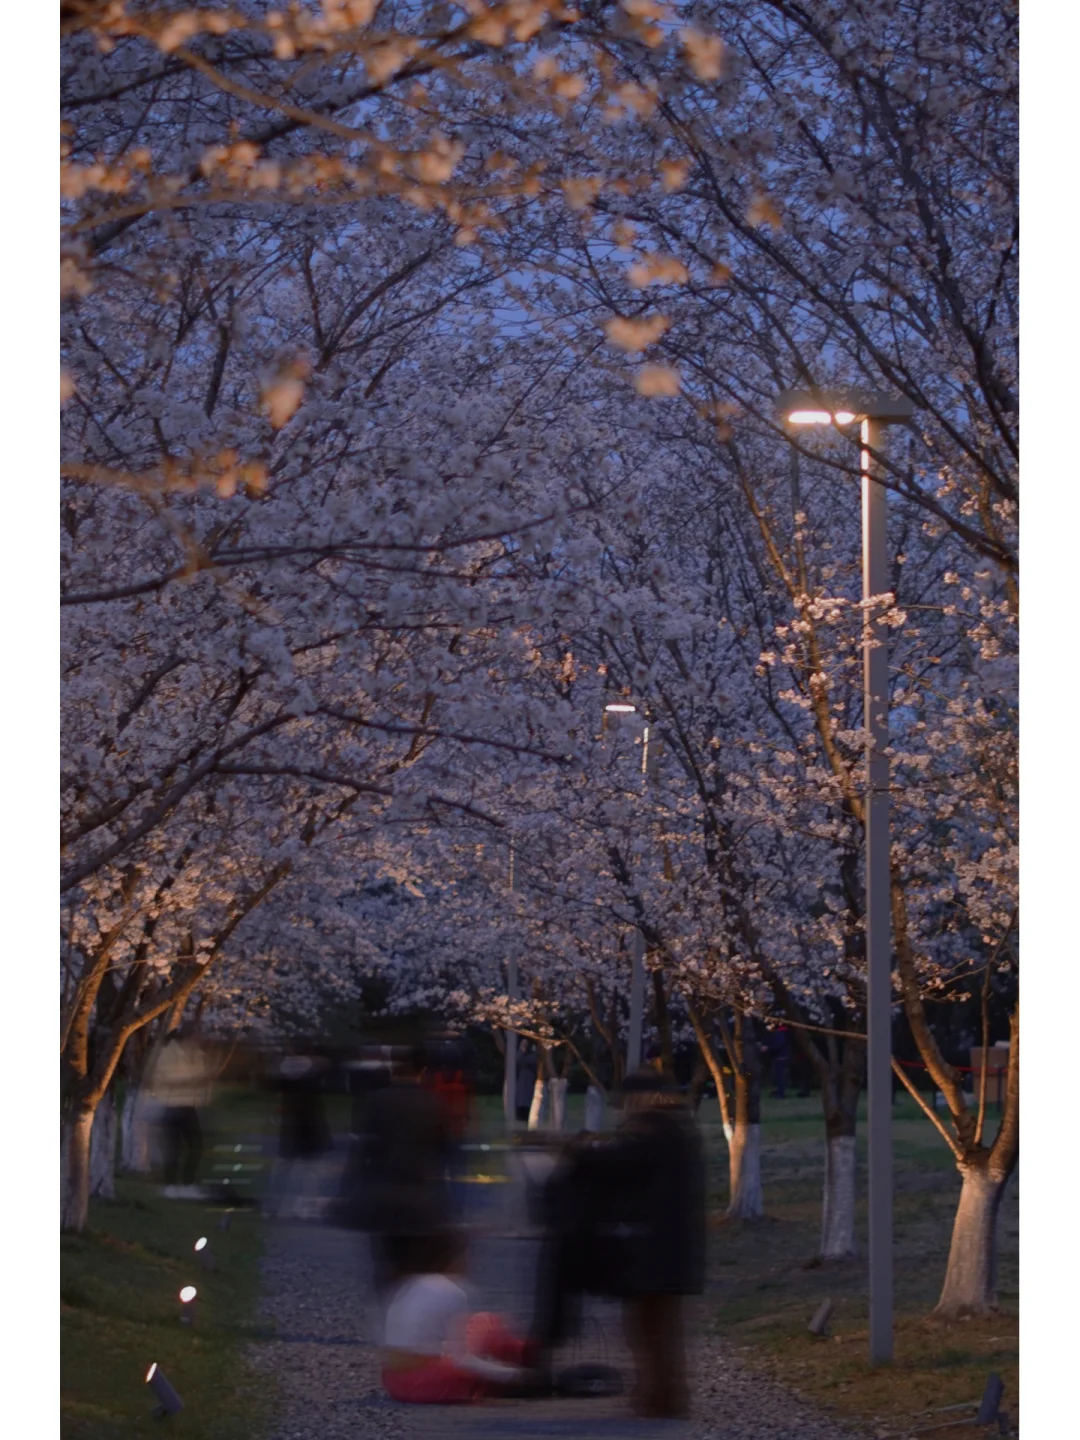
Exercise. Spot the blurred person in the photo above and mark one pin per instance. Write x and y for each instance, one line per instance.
(448, 1071)
(304, 1134)
(368, 1072)
(626, 1218)
(656, 1169)
(435, 1350)
(407, 1154)
(179, 1083)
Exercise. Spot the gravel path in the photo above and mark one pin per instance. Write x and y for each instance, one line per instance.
(325, 1359)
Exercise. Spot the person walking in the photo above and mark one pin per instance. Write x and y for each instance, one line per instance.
(626, 1218)
(180, 1084)
(408, 1151)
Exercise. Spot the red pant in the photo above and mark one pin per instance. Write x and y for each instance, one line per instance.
(441, 1381)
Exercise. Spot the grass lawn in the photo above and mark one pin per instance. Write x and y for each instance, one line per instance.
(768, 1286)
(119, 1311)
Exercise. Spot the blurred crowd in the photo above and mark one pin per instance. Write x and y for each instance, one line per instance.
(619, 1212)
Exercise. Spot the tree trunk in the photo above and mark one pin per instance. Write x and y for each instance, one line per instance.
(558, 1102)
(536, 1109)
(971, 1275)
(838, 1199)
(744, 1145)
(103, 1149)
(744, 1155)
(594, 1110)
(75, 1132)
(662, 1016)
(135, 1132)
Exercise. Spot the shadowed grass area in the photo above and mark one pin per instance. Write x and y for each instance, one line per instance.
(119, 1311)
(768, 1285)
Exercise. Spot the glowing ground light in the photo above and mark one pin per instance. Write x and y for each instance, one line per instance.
(150, 1372)
(620, 709)
(201, 1243)
(188, 1293)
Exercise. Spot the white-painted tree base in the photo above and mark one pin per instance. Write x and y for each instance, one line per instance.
(537, 1108)
(595, 1110)
(557, 1092)
(838, 1199)
(103, 1150)
(744, 1154)
(970, 1286)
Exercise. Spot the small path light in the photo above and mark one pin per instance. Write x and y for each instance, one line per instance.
(205, 1254)
(819, 1325)
(225, 1221)
(187, 1300)
(169, 1403)
(990, 1405)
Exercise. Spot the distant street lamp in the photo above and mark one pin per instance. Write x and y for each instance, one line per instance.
(874, 411)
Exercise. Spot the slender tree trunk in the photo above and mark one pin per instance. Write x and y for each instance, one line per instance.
(744, 1155)
(970, 1286)
(536, 1109)
(662, 1016)
(747, 1200)
(594, 1110)
(838, 1198)
(76, 1128)
(558, 1102)
(135, 1132)
(103, 1149)
(842, 1073)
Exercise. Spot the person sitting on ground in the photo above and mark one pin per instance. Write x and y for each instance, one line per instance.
(435, 1351)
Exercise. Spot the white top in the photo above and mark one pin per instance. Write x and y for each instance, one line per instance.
(421, 1313)
(427, 1315)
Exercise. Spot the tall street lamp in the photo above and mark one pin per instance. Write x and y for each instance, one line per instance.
(874, 411)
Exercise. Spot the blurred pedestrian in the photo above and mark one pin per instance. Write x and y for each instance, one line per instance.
(626, 1218)
(304, 1133)
(180, 1084)
(406, 1162)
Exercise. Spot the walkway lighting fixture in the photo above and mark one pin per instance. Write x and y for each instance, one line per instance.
(874, 410)
(169, 1402)
(187, 1300)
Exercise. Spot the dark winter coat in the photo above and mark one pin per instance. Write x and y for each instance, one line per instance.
(633, 1207)
(407, 1148)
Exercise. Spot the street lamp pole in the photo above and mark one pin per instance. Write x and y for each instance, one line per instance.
(510, 1036)
(878, 904)
(874, 412)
